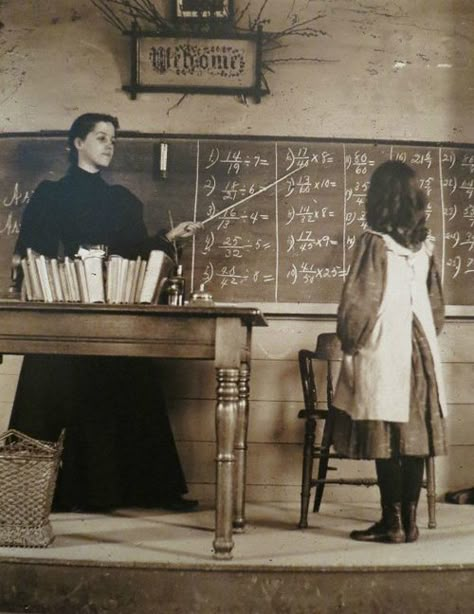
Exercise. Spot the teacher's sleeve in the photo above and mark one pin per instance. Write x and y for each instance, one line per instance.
(39, 228)
(131, 236)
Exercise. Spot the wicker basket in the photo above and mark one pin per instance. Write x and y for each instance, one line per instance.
(28, 472)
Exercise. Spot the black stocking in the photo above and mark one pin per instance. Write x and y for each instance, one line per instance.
(389, 477)
(400, 479)
(412, 477)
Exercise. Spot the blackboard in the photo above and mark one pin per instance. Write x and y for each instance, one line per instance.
(284, 245)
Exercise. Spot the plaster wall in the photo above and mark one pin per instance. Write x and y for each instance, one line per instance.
(382, 70)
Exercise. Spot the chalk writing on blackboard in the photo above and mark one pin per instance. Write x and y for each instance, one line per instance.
(281, 216)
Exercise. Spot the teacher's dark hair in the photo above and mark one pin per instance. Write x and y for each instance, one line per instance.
(396, 205)
(81, 127)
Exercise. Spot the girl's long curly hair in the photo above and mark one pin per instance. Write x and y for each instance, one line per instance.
(396, 205)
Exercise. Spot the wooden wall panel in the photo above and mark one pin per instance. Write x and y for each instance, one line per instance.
(11, 364)
(270, 421)
(267, 464)
(455, 470)
(272, 380)
(275, 433)
(456, 342)
(276, 469)
(276, 422)
(5, 409)
(9, 369)
(8, 383)
(459, 378)
(461, 425)
(276, 380)
(283, 338)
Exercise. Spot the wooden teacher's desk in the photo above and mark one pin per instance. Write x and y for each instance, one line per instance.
(222, 334)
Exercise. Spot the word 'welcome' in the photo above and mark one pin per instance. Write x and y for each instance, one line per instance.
(219, 60)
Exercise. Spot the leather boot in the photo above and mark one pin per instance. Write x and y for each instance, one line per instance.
(388, 529)
(375, 533)
(395, 532)
(409, 521)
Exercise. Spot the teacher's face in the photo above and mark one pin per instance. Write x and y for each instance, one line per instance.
(97, 149)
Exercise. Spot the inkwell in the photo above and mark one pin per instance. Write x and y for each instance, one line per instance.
(201, 297)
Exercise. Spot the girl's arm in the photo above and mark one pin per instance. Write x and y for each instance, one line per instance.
(362, 293)
(435, 292)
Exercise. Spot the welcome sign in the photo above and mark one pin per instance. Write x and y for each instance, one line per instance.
(196, 65)
(209, 62)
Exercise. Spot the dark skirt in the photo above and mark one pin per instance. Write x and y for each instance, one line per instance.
(423, 435)
(119, 448)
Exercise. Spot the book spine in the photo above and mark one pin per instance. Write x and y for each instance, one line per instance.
(56, 280)
(122, 285)
(81, 278)
(93, 267)
(108, 281)
(26, 280)
(129, 282)
(141, 277)
(41, 266)
(64, 282)
(114, 277)
(136, 274)
(72, 280)
(159, 265)
(49, 273)
(35, 282)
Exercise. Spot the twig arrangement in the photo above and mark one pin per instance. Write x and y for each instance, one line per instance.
(146, 16)
(143, 12)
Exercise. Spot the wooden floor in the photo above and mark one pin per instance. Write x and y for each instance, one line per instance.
(140, 561)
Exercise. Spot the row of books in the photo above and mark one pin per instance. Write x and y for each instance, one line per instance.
(92, 279)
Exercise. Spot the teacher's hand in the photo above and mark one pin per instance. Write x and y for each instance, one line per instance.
(183, 230)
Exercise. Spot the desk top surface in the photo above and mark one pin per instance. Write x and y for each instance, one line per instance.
(250, 316)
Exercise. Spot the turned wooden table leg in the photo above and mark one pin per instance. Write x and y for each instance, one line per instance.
(226, 419)
(241, 448)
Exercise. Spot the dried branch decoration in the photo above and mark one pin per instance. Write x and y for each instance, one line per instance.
(144, 13)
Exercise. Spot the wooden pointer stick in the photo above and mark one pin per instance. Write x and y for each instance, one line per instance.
(264, 189)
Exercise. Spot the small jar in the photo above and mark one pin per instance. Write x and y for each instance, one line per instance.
(201, 297)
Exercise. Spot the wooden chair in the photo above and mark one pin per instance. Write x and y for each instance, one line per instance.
(328, 350)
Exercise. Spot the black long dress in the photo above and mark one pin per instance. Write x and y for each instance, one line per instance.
(119, 447)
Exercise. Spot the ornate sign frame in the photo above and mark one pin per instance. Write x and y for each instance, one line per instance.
(196, 63)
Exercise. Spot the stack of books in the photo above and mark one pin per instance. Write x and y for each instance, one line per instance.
(93, 279)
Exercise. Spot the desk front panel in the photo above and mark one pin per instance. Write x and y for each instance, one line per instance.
(106, 333)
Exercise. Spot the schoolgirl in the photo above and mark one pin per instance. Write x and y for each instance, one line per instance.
(389, 396)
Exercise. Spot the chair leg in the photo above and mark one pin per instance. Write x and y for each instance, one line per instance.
(431, 491)
(322, 470)
(309, 437)
(324, 459)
